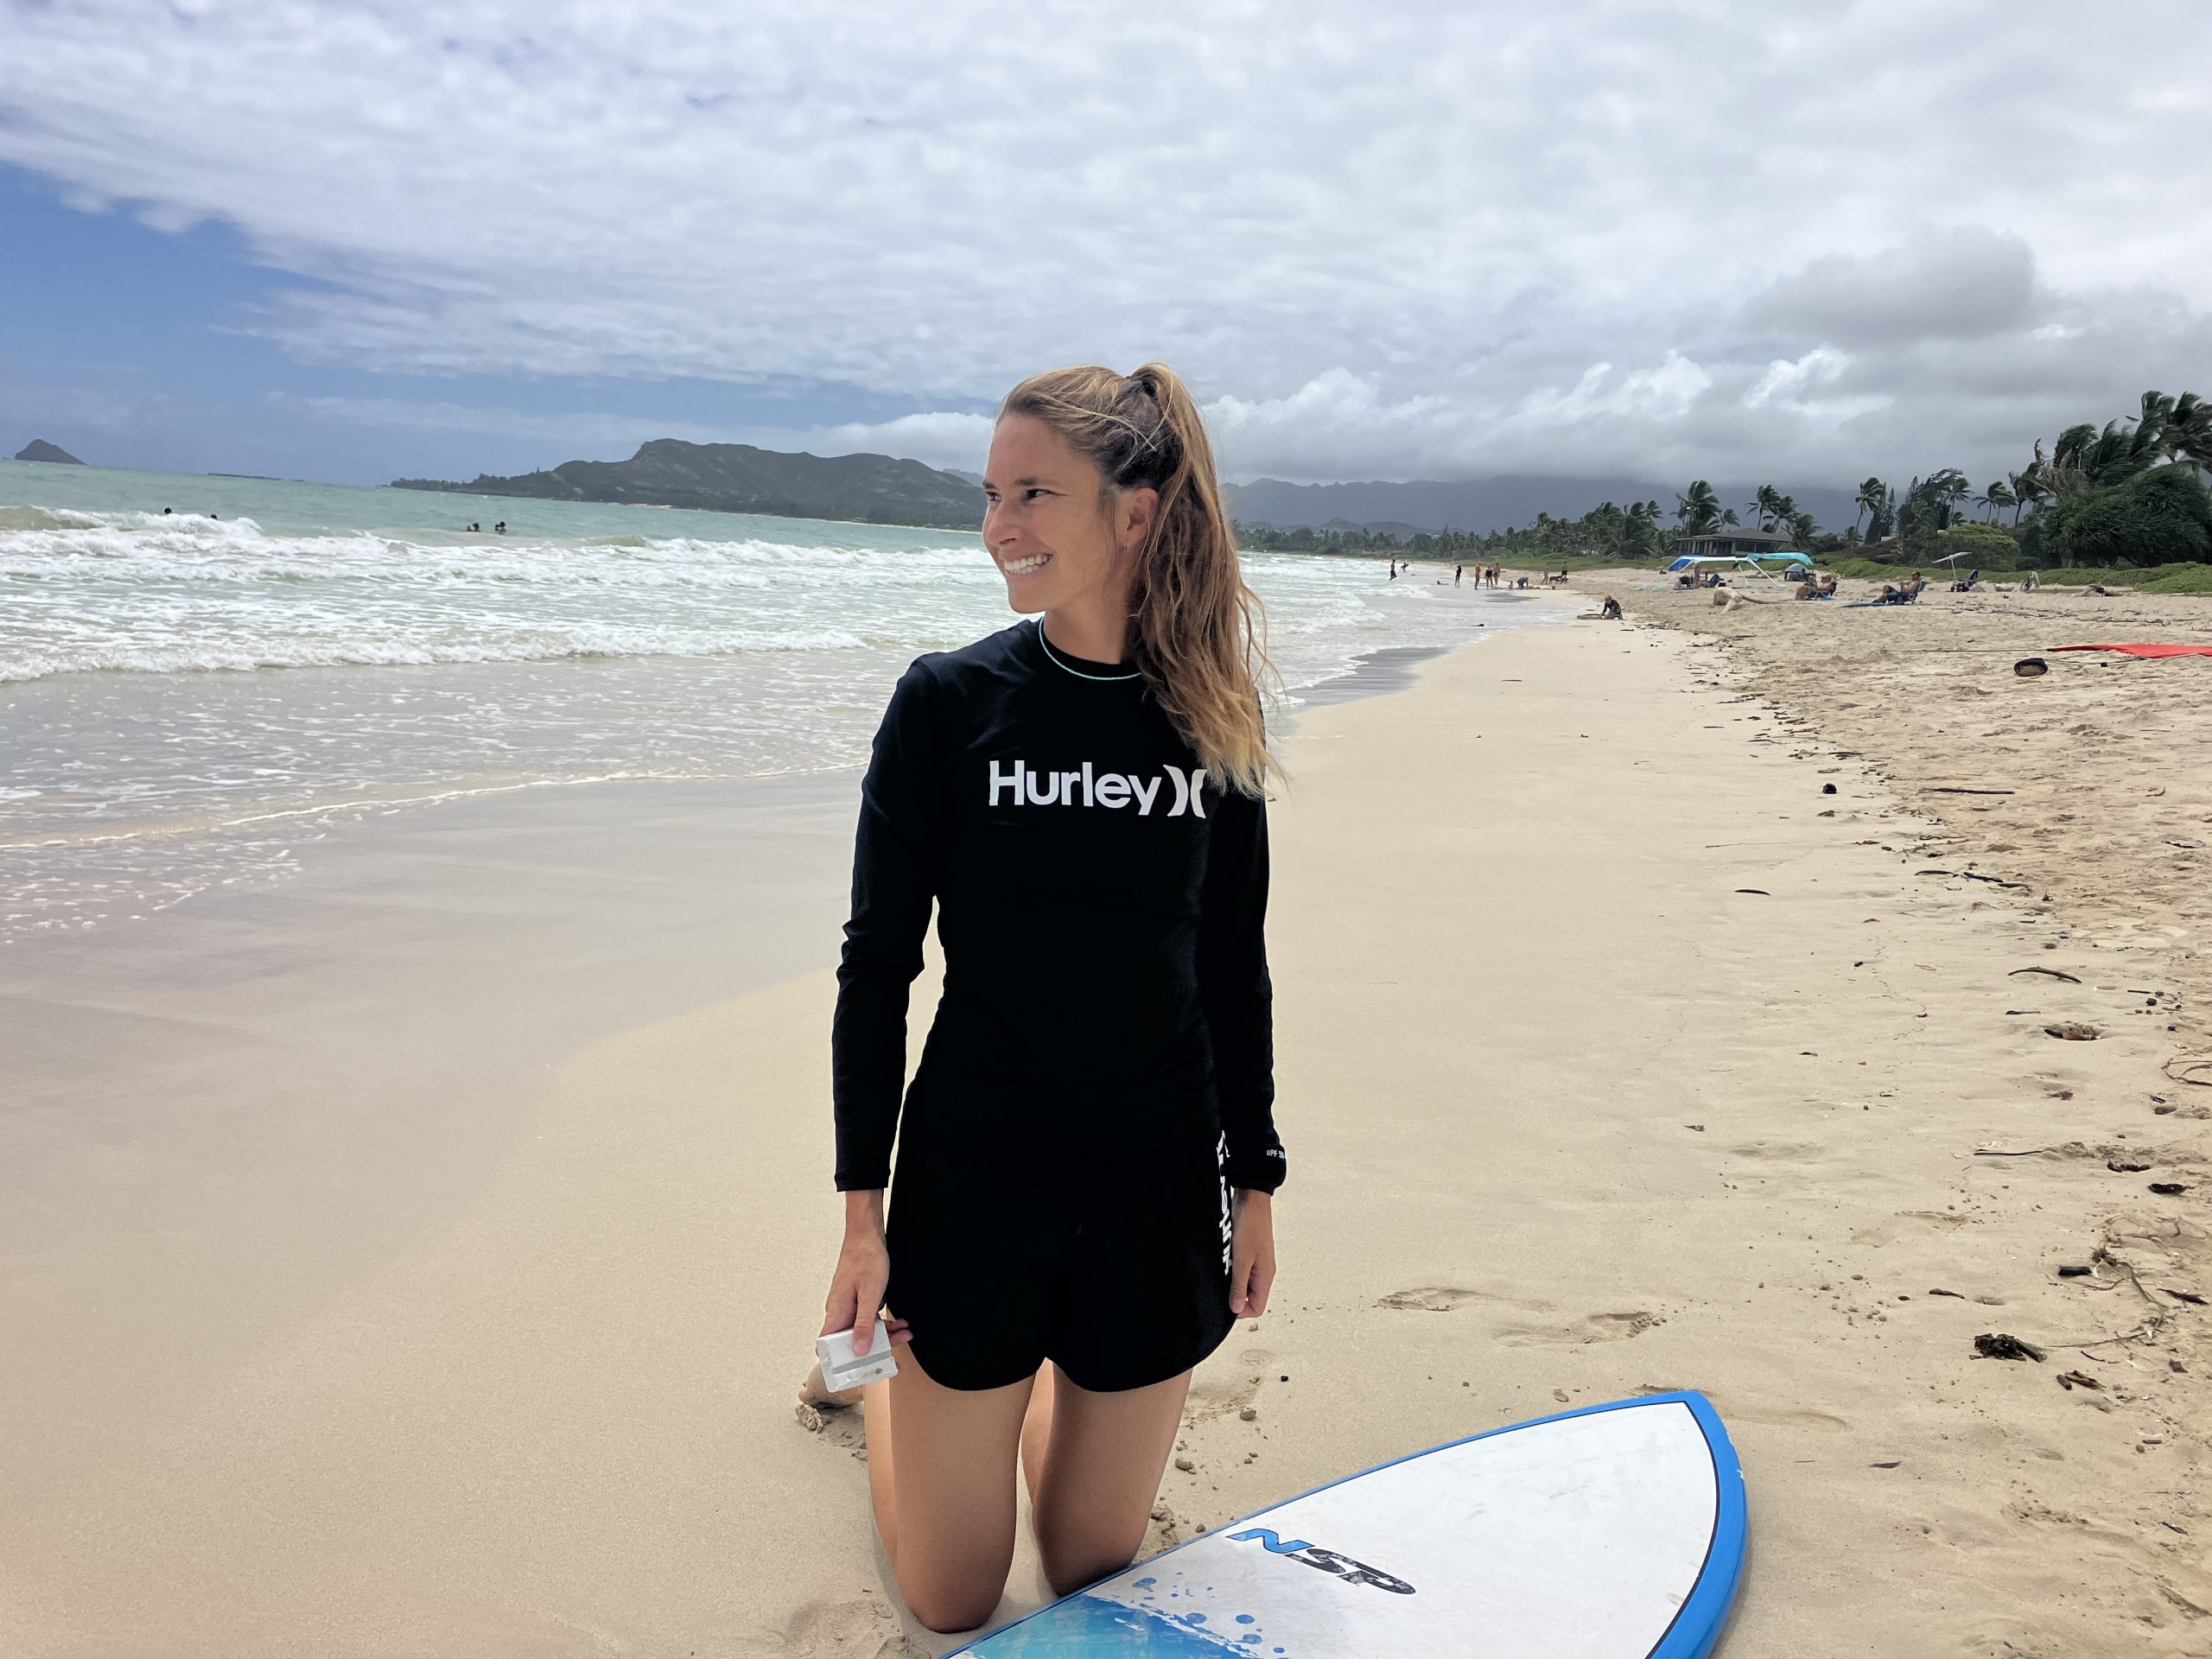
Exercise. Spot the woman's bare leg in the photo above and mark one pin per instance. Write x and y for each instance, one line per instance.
(1093, 1490)
(947, 1472)
(1037, 1428)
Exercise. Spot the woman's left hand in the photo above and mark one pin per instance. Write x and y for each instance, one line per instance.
(1252, 1253)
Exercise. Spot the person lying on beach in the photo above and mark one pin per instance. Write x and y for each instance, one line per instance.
(1086, 1156)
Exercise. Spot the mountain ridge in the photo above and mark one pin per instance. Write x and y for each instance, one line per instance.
(740, 478)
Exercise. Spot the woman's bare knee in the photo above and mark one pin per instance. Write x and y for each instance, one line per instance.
(1069, 1568)
(947, 1611)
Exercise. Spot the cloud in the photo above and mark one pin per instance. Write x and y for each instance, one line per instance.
(1421, 240)
(1967, 283)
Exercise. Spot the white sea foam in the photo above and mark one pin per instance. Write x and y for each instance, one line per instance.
(139, 593)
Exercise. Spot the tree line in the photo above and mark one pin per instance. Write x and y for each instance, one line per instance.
(2133, 492)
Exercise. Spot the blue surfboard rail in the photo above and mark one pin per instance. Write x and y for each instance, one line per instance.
(1698, 1623)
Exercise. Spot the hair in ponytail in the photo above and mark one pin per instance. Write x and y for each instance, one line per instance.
(1196, 632)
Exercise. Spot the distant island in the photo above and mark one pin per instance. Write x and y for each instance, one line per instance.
(40, 449)
(738, 477)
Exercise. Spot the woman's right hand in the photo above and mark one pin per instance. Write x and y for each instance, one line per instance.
(863, 1271)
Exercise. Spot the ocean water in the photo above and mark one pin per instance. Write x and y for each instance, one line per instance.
(190, 700)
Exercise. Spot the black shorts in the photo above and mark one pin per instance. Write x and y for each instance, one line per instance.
(1112, 1262)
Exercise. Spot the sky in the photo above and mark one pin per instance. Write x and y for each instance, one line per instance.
(1721, 237)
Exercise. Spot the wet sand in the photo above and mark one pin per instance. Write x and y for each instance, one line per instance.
(1608, 1062)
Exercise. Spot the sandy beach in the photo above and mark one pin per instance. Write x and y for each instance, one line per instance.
(1616, 1054)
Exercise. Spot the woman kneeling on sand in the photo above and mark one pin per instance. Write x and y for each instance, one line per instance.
(1087, 1153)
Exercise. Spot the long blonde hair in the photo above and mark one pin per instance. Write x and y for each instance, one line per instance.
(1196, 633)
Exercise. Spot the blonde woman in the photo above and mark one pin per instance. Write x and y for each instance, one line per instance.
(1087, 1152)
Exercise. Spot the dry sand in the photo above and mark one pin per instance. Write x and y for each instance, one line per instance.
(1609, 1061)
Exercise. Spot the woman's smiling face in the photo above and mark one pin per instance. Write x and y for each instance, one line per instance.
(1057, 534)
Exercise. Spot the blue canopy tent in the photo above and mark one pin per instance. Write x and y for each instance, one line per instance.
(1753, 564)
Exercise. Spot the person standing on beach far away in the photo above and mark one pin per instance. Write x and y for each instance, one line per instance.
(1087, 1152)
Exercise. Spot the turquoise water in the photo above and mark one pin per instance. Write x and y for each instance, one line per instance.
(188, 700)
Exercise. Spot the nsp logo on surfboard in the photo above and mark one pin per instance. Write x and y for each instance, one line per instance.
(1325, 1560)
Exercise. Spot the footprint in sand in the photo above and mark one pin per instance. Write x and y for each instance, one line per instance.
(1776, 1417)
(1219, 1396)
(1595, 1327)
(1802, 1152)
(843, 1428)
(862, 1627)
(1888, 1232)
(1431, 1299)
(1444, 1299)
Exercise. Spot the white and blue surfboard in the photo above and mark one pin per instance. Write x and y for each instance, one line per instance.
(1614, 1532)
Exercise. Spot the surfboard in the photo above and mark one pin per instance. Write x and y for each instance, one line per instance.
(1613, 1532)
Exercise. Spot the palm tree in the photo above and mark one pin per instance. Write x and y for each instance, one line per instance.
(1767, 504)
(2083, 456)
(1802, 529)
(1729, 517)
(1640, 529)
(1697, 509)
(2188, 434)
(1869, 498)
(1995, 497)
(2026, 492)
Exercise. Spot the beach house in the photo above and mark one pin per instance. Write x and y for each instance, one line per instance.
(1732, 542)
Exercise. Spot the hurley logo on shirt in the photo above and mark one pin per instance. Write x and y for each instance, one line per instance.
(1078, 786)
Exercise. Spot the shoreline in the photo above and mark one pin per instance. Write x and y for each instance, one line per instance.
(220, 845)
(1607, 1063)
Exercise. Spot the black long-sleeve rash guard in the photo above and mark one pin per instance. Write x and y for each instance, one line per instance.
(1100, 903)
